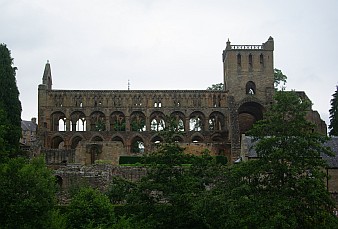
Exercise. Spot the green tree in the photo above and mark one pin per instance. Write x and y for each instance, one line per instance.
(163, 198)
(285, 187)
(279, 79)
(119, 189)
(27, 194)
(10, 106)
(334, 114)
(89, 208)
(216, 87)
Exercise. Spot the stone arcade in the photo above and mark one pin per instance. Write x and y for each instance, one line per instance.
(83, 126)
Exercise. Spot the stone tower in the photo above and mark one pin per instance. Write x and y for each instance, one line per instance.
(43, 90)
(249, 84)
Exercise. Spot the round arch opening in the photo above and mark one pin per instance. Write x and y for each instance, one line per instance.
(248, 114)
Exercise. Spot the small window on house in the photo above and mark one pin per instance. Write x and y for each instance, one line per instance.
(250, 60)
(155, 104)
(239, 59)
(159, 104)
(261, 59)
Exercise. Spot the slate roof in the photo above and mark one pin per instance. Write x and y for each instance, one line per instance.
(332, 162)
(28, 126)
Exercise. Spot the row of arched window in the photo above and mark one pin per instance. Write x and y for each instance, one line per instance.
(137, 144)
(250, 60)
(137, 121)
(123, 100)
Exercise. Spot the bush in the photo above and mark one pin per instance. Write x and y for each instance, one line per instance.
(90, 208)
(220, 159)
(130, 160)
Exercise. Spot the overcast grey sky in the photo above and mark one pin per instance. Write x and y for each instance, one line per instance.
(166, 44)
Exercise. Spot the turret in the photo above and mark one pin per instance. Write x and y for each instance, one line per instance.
(47, 76)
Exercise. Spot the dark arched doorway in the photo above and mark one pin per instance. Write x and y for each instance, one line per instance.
(248, 114)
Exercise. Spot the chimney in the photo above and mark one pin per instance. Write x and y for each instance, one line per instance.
(33, 120)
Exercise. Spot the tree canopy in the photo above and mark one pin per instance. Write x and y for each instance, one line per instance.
(27, 194)
(10, 106)
(334, 114)
(279, 79)
(289, 170)
(216, 87)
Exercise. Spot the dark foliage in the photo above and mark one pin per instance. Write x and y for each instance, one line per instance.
(10, 106)
(334, 114)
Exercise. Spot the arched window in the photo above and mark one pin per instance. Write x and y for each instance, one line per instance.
(157, 122)
(78, 121)
(117, 121)
(250, 88)
(138, 121)
(75, 142)
(176, 121)
(137, 145)
(58, 121)
(97, 121)
(57, 143)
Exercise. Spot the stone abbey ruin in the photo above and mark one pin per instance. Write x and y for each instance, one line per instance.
(83, 126)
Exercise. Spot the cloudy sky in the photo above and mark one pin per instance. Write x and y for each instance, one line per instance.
(166, 44)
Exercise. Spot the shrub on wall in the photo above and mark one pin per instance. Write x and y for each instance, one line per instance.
(220, 159)
(129, 160)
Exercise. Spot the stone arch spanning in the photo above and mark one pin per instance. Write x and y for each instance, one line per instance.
(217, 137)
(196, 121)
(250, 88)
(137, 121)
(78, 121)
(216, 121)
(97, 121)
(197, 137)
(58, 121)
(178, 138)
(156, 139)
(74, 141)
(137, 145)
(97, 138)
(94, 150)
(57, 142)
(249, 111)
(117, 121)
(157, 121)
(178, 119)
(118, 138)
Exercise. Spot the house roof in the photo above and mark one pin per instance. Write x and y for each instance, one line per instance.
(28, 125)
(332, 162)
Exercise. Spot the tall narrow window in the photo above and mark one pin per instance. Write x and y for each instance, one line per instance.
(239, 59)
(250, 60)
(261, 59)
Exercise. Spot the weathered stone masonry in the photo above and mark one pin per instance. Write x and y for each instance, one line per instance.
(83, 126)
